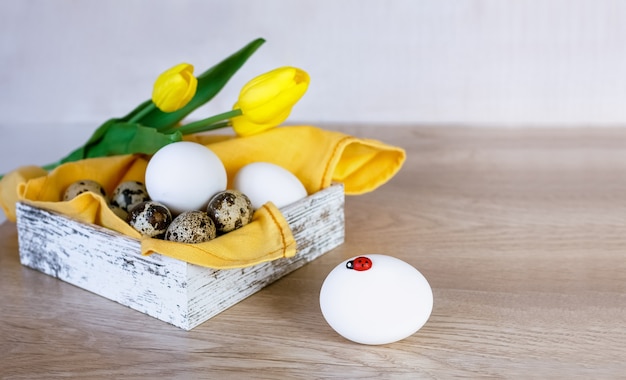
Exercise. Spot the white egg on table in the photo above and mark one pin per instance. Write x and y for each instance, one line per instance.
(264, 182)
(184, 176)
(376, 299)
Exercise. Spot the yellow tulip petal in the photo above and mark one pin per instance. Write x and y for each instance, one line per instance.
(174, 88)
(281, 74)
(244, 127)
(268, 85)
(260, 95)
(282, 101)
(266, 101)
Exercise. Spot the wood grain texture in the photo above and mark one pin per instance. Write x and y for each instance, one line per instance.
(110, 264)
(520, 232)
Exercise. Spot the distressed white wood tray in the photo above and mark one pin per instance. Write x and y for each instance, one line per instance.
(110, 264)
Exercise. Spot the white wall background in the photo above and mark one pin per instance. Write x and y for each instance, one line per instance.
(68, 65)
(402, 61)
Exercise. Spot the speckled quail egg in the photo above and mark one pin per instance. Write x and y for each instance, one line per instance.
(128, 194)
(230, 210)
(83, 186)
(120, 212)
(191, 227)
(150, 218)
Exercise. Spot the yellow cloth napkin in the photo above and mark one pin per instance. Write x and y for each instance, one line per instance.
(316, 156)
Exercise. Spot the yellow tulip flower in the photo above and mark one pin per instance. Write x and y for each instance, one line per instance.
(174, 88)
(245, 127)
(266, 101)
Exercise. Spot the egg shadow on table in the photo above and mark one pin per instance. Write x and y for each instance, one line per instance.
(294, 304)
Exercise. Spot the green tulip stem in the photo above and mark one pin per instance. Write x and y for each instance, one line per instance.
(205, 128)
(207, 124)
(143, 112)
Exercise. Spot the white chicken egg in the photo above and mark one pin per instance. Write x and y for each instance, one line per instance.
(264, 182)
(376, 299)
(184, 176)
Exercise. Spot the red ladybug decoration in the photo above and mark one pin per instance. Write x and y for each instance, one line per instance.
(360, 263)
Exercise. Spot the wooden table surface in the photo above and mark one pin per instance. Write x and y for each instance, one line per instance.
(520, 232)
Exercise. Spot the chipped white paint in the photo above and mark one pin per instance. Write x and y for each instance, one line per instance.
(107, 263)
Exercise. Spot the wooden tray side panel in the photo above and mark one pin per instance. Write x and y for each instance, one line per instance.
(103, 262)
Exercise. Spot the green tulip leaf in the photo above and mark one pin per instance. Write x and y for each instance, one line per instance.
(128, 138)
(116, 137)
(210, 83)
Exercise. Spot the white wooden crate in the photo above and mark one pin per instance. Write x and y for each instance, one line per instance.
(110, 264)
